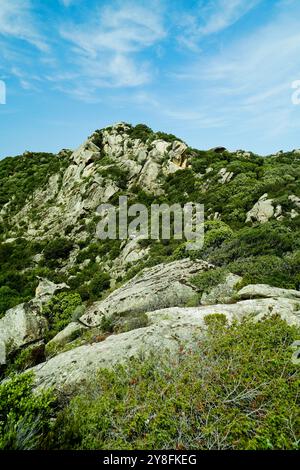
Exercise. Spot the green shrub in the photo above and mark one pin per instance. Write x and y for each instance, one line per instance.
(22, 175)
(237, 390)
(26, 358)
(8, 299)
(216, 232)
(58, 248)
(267, 269)
(59, 311)
(24, 416)
(99, 283)
(208, 279)
(140, 131)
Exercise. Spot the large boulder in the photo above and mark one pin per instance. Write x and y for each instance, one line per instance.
(168, 330)
(164, 285)
(223, 292)
(262, 211)
(254, 291)
(20, 326)
(46, 289)
(24, 324)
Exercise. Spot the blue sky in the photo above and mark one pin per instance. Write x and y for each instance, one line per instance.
(213, 72)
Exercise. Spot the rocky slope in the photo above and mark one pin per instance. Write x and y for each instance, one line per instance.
(100, 302)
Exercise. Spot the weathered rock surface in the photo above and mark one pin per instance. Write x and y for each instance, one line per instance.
(24, 324)
(164, 285)
(65, 336)
(253, 291)
(223, 292)
(20, 326)
(167, 331)
(262, 211)
(225, 176)
(46, 289)
(67, 204)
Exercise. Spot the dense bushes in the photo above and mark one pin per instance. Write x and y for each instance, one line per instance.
(140, 131)
(208, 279)
(16, 283)
(24, 416)
(268, 269)
(58, 248)
(21, 176)
(237, 390)
(59, 311)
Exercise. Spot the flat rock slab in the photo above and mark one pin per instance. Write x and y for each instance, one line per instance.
(168, 330)
(164, 285)
(253, 291)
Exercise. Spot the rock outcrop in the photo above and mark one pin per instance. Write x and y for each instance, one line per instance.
(262, 211)
(164, 285)
(254, 291)
(169, 329)
(223, 292)
(24, 324)
(19, 327)
(77, 192)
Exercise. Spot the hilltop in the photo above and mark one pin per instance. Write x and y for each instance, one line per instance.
(71, 303)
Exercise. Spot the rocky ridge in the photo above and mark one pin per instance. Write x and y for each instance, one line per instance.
(148, 301)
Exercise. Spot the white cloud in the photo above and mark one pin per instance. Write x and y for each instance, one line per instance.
(249, 82)
(17, 20)
(221, 14)
(67, 3)
(125, 29)
(213, 16)
(106, 46)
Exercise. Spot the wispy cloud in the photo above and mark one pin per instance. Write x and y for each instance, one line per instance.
(219, 15)
(249, 83)
(121, 28)
(213, 16)
(17, 21)
(66, 3)
(106, 46)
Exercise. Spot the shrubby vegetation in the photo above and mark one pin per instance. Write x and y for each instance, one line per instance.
(17, 283)
(238, 389)
(21, 176)
(24, 416)
(59, 311)
(57, 249)
(147, 135)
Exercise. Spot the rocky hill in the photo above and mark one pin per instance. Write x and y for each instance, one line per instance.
(71, 303)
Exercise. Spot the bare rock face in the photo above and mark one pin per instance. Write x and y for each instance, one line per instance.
(72, 196)
(24, 324)
(225, 176)
(46, 289)
(262, 211)
(223, 292)
(164, 285)
(19, 327)
(254, 291)
(168, 330)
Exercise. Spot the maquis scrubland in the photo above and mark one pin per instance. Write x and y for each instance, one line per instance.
(140, 343)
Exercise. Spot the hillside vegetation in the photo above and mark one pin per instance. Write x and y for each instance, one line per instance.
(235, 387)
